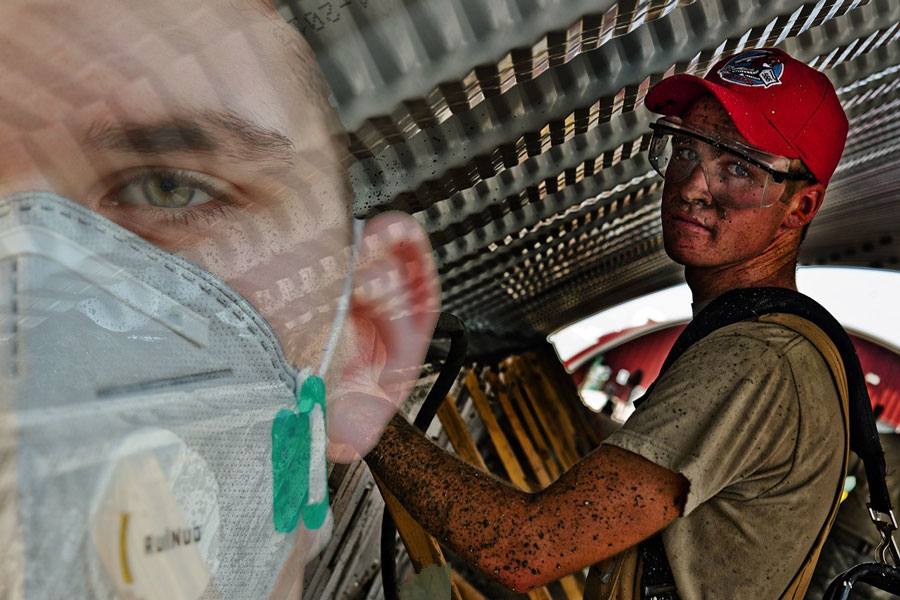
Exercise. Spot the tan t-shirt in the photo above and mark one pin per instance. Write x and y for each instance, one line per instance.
(750, 416)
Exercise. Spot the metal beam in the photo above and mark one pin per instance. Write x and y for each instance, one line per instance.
(472, 276)
(378, 53)
(529, 106)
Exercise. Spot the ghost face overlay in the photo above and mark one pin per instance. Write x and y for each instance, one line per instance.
(139, 389)
(202, 127)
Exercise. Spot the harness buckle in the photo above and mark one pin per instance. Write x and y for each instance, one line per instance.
(886, 552)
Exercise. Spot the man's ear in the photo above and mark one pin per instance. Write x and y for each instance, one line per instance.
(804, 205)
(393, 312)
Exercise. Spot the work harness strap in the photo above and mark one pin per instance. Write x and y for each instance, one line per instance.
(796, 589)
(754, 303)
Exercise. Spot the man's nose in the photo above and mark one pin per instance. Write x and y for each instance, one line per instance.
(695, 187)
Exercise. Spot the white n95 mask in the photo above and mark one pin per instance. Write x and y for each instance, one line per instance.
(144, 407)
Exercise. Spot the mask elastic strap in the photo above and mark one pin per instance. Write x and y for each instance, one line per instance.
(311, 406)
(343, 302)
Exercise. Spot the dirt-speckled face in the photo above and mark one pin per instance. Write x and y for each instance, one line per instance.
(202, 126)
(697, 231)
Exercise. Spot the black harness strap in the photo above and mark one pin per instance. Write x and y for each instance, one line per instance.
(657, 581)
(740, 305)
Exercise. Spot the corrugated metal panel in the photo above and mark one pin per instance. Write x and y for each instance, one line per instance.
(515, 133)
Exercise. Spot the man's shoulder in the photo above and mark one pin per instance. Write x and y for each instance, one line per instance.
(754, 349)
(758, 335)
(760, 350)
(732, 358)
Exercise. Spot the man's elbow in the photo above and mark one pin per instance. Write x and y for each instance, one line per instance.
(528, 582)
(519, 578)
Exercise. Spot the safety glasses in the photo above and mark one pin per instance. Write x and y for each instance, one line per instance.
(737, 175)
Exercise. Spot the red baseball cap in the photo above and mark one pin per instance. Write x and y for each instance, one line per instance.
(779, 104)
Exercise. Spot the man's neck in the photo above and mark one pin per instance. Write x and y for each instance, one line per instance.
(707, 283)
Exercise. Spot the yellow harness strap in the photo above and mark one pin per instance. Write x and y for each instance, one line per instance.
(796, 590)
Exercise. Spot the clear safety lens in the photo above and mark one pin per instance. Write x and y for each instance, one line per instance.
(737, 176)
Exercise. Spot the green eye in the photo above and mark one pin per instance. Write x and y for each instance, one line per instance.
(168, 192)
(168, 189)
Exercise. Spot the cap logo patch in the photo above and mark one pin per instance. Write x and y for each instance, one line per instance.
(757, 68)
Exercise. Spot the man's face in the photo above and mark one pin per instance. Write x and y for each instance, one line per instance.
(697, 232)
(197, 125)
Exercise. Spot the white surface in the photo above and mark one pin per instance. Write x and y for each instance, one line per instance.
(861, 299)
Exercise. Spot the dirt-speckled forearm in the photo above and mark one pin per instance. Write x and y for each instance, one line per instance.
(430, 484)
(608, 501)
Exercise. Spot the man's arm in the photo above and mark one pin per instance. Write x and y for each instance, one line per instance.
(609, 501)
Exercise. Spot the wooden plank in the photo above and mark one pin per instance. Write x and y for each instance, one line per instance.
(541, 593)
(464, 445)
(458, 433)
(537, 465)
(538, 404)
(541, 370)
(511, 464)
(466, 589)
(546, 401)
(498, 438)
(423, 549)
(553, 404)
(562, 381)
(573, 587)
(540, 441)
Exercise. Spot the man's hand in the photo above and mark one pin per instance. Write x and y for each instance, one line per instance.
(609, 501)
(358, 409)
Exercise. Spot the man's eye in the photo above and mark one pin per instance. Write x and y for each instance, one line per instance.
(173, 208)
(738, 170)
(167, 189)
(684, 153)
(171, 193)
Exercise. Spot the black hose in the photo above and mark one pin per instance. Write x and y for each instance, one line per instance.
(883, 577)
(448, 326)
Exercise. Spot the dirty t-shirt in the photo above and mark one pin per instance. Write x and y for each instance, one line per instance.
(751, 418)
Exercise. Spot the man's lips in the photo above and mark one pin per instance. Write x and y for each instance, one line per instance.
(690, 223)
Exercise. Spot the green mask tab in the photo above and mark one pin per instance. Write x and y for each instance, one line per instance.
(294, 459)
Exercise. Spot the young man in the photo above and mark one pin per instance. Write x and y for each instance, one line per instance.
(736, 455)
(161, 427)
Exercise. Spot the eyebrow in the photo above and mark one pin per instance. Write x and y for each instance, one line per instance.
(209, 132)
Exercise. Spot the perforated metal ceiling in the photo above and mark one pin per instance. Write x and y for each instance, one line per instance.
(514, 131)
